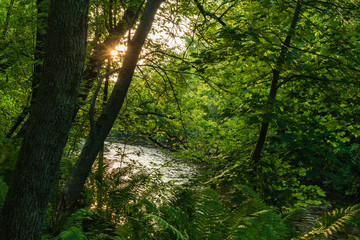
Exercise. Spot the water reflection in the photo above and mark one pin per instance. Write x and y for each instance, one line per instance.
(121, 155)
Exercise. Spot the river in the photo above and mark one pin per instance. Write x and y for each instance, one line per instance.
(173, 170)
(152, 159)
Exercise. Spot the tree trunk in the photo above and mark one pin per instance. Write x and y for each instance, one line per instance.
(116, 32)
(105, 122)
(256, 153)
(24, 209)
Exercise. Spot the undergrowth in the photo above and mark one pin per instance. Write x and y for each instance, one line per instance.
(198, 214)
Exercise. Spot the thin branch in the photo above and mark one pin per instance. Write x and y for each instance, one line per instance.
(173, 90)
(288, 79)
(227, 10)
(206, 13)
(154, 113)
(95, 94)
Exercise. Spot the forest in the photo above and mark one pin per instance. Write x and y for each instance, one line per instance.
(256, 103)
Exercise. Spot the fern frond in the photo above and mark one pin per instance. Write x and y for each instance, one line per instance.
(177, 216)
(73, 233)
(210, 215)
(66, 166)
(150, 206)
(290, 217)
(253, 219)
(76, 218)
(237, 215)
(164, 225)
(186, 199)
(252, 195)
(335, 221)
(122, 191)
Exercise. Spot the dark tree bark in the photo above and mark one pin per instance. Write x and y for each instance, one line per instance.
(24, 209)
(103, 125)
(42, 9)
(256, 153)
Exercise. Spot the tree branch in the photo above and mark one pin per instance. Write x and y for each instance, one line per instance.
(206, 13)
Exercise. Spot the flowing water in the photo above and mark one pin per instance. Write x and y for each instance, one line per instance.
(152, 159)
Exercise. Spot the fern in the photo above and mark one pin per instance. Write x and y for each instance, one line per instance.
(289, 218)
(122, 190)
(176, 216)
(185, 199)
(66, 166)
(253, 219)
(253, 196)
(210, 215)
(76, 218)
(164, 225)
(263, 224)
(73, 233)
(332, 222)
(293, 215)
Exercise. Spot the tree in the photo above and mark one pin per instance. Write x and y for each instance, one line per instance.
(116, 31)
(243, 55)
(100, 128)
(24, 209)
(256, 153)
(99, 52)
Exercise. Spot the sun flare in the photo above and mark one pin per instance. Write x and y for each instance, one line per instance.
(121, 48)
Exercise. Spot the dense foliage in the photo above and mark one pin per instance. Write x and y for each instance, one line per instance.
(217, 83)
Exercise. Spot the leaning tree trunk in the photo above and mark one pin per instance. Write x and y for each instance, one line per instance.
(24, 209)
(105, 122)
(256, 153)
(116, 31)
